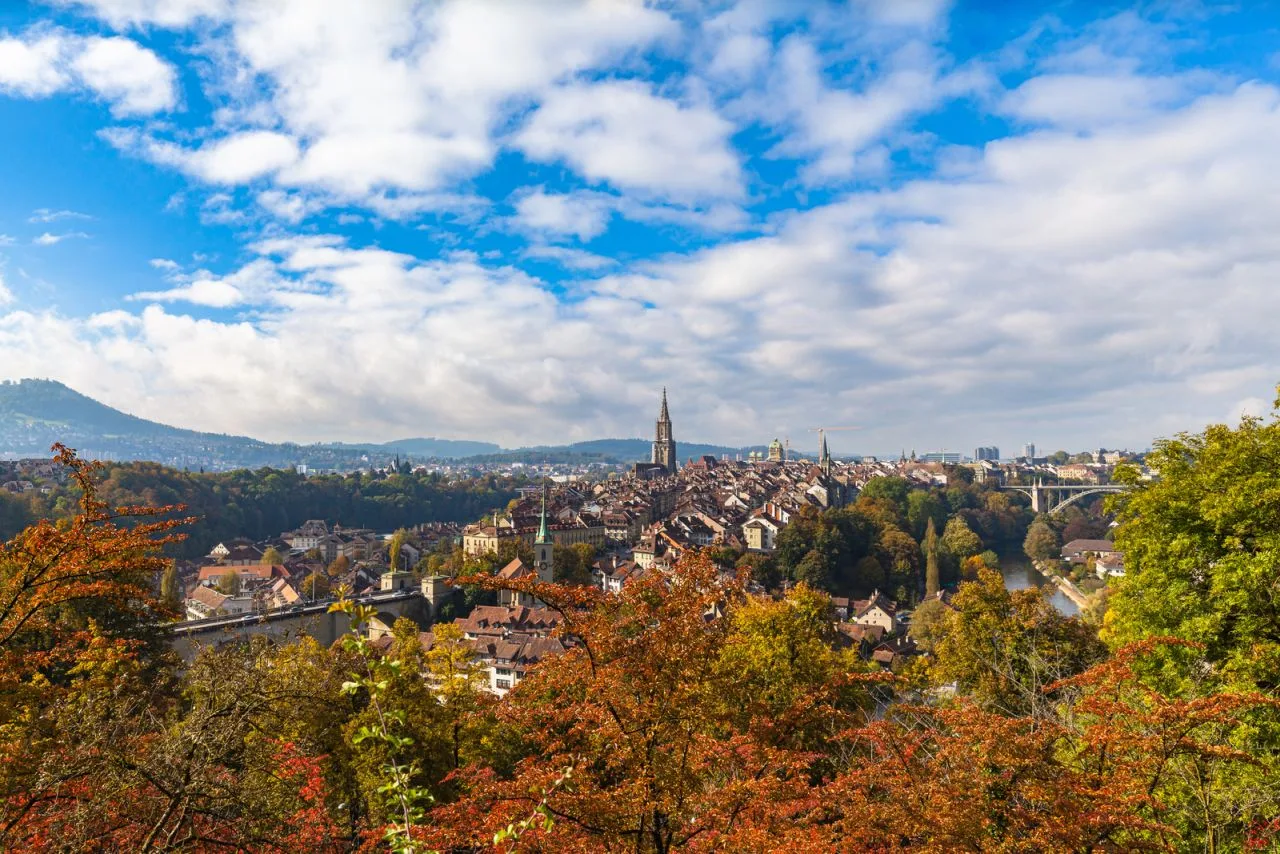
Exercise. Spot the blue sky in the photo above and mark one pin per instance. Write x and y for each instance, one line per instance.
(951, 224)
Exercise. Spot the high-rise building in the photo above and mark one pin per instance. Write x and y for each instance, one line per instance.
(986, 453)
(664, 446)
(1029, 450)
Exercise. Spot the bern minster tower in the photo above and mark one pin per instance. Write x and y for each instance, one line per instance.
(664, 447)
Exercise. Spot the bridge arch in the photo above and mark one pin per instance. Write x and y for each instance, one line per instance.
(1076, 496)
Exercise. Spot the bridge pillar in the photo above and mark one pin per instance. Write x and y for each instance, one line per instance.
(1036, 500)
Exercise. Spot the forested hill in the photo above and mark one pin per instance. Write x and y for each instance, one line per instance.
(265, 503)
(611, 450)
(36, 413)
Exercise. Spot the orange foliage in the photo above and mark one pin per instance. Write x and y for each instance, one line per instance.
(633, 709)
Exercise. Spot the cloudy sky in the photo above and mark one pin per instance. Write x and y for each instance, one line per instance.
(948, 224)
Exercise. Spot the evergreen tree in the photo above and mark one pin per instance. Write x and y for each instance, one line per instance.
(932, 574)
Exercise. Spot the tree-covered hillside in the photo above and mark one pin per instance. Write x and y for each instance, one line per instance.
(266, 502)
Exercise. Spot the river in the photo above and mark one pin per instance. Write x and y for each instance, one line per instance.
(1019, 574)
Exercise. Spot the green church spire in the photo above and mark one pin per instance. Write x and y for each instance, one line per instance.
(543, 537)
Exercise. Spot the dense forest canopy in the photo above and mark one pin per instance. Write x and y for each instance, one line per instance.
(267, 502)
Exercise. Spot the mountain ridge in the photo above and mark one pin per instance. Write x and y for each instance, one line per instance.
(35, 413)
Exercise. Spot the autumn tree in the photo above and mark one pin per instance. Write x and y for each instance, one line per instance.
(893, 489)
(1003, 648)
(640, 713)
(1042, 542)
(272, 557)
(1201, 546)
(230, 583)
(569, 564)
(459, 681)
(315, 586)
(924, 507)
(338, 566)
(959, 539)
(101, 747)
(171, 587)
(394, 547)
(1116, 765)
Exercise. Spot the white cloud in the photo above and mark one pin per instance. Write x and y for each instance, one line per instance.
(1094, 289)
(235, 159)
(621, 133)
(34, 68)
(164, 13)
(292, 208)
(840, 128)
(6, 295)
(131, 78)
(570, 259)
(50, 239)
(408, 97)
(1090, 100)
(1250, 407)
(243, 157)
(585, 215)
(255, 283)
(51, 215)
(1100, 279)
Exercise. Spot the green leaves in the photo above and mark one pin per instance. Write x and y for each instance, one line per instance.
(1202, 549)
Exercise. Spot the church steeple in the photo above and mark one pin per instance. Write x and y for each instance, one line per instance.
(664, 445)
(542, 528)
(824, 455)
(544, 548)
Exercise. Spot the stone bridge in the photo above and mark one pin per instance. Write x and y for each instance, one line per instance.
(1041, 501)
(313, 620)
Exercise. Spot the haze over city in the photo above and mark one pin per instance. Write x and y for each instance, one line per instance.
(953, 225)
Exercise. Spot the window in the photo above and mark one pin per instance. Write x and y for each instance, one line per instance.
(504, 684)
(503, 671)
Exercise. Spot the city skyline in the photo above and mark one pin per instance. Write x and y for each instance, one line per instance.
(950, 226)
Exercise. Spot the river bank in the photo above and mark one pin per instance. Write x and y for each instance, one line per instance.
(1081, 599)
(1072, 592)
(1020, 574)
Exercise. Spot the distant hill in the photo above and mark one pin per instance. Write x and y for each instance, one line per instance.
(621, 451)
(429, 447)
(36, 413)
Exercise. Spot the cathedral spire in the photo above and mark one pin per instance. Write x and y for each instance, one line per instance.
(664, 445)
(824, 455)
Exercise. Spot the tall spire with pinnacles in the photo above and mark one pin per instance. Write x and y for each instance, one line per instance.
(664, 446)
